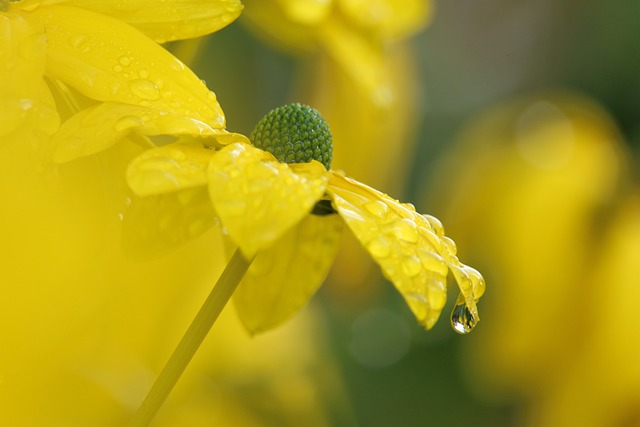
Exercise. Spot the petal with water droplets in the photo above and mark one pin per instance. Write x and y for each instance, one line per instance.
(283, 277)
(400, 240)
(97, 128)
(25, 96)
(257, 198)
(155, 225)
(166, 20)
(108, 60)
(169, 168)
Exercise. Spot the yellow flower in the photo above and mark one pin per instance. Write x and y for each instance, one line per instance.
(356, 65)
(291, 216)
(98, 64)
(353, 33)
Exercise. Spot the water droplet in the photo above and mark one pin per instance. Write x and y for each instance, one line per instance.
(377, 208)
(449, 245)
(435, 224)
(432, 261)
(117, 68)
(379, 247)
(143, 73)
(127, 122)
(125, 60)
(145, 89)
(411, 265)
(406, 230)
(409, 206)
(431, 238)
(462, 319)
(437, 293)
(478, 284)
(77, 40)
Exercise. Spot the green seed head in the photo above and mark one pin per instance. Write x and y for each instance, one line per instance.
(294, 133)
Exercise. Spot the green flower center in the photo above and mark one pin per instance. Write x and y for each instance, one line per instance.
(294, 133)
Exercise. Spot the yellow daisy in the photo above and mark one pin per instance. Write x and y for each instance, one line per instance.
(99, 64)
(279, 201)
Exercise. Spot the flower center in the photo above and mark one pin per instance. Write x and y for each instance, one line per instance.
(294, 133)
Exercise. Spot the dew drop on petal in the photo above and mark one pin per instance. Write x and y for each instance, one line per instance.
(406, 230)
(125, 60)
(435, 224)
(449, 245)
(127, 122)
(377, 208)
(461, 318)
(77, 40)
(478, 284)
(411, 266)
(432, 262)
(379, 247)
(145, 89)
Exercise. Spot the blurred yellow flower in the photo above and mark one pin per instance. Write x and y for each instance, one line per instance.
(354, 33)
(549, 214)
(101, 65)
(285, 213)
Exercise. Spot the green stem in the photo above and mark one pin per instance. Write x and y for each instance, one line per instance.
(198, 330)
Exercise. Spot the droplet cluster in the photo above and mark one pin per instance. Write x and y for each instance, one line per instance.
(413, 252)
(295, 133)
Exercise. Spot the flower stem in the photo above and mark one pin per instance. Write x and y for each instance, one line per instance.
(198, 330)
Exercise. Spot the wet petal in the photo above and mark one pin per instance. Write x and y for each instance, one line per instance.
(284, 277)
(25, 96)
(99, 127)
(110, 61)
(405, 244)
(169, 168)
(155, 225)
(165, 20)
(257, 198)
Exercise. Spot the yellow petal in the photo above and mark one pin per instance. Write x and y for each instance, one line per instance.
(99, 127)
(359, 56)
(306, 12)
(284, 277)
(110, 61)
(165, 20)
(404, 243)
(24, 96)
(155, 225)
(389, 18)
(287, 27)
(169, 168)
(257, 198)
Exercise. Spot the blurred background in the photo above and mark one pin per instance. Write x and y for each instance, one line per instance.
(515, 123)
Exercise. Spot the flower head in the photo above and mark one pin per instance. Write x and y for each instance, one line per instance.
(98, 65)
(290, 216)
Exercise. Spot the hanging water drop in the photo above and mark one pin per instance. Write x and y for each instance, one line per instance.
(462, 319)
